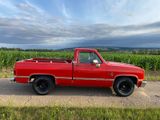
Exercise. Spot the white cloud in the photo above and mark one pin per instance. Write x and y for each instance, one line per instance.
(131, 32)
(7, 3)
(65, 11)
(118, 6)
(32, 25)
(19, 32)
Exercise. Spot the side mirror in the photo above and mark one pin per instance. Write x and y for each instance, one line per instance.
(96, 63)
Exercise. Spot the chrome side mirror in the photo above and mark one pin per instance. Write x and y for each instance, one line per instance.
(96, 63)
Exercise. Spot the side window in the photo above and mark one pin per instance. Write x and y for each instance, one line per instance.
(95, 57)
(88, 57)
(84, 57)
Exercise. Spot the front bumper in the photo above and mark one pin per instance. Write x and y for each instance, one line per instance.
(143, 84)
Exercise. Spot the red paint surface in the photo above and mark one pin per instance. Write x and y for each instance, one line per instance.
(108, 71)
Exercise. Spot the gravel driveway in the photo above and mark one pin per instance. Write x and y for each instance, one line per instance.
(14, 94)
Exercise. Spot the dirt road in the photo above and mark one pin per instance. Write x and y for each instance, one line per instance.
(14, 94)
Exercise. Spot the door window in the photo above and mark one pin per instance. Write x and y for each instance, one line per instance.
(88, 57)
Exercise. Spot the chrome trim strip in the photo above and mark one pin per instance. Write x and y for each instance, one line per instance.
(21, 76)
(63, 78)
(75, 78)
(79, 78)
(102, 79)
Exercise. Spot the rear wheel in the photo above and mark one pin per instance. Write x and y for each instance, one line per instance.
(42, 85)
(124, 86)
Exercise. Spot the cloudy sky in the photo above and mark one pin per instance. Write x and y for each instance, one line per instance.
(79, 23)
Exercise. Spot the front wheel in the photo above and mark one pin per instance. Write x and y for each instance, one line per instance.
(42, 85)
(124, 86)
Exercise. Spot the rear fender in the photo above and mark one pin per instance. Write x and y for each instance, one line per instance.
(40, 74)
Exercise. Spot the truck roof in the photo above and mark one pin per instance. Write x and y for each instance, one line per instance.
(87, 49)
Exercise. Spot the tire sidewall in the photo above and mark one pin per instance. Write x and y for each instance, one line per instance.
(117, 84)
(47, 80)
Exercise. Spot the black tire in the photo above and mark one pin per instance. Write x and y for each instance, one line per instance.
(124, 86)
(42, 85)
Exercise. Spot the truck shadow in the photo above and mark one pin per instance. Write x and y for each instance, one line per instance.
(26, 89)
(82, 91)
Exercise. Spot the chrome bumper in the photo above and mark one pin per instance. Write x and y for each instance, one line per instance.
(144, 82)
(12, 80)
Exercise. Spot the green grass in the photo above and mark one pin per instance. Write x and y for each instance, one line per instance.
(64, 113)
(148, 62)
(6, 73)
(8, 58)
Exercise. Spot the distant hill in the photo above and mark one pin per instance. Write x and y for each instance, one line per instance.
(102, 48)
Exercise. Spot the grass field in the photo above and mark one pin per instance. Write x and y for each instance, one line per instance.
(64, 113)
(148, 62)
(151, 63)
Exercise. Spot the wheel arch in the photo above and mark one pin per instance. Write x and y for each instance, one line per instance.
(32, 77)
(134, 78)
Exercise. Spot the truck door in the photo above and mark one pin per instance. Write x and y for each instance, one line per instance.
(86, 73)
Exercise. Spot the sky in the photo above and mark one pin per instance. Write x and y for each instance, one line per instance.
(57, 24)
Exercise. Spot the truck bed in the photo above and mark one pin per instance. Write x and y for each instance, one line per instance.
(51, 60)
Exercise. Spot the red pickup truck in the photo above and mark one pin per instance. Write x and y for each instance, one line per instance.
(87, 69)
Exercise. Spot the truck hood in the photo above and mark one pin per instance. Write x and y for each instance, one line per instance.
(123, 65)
